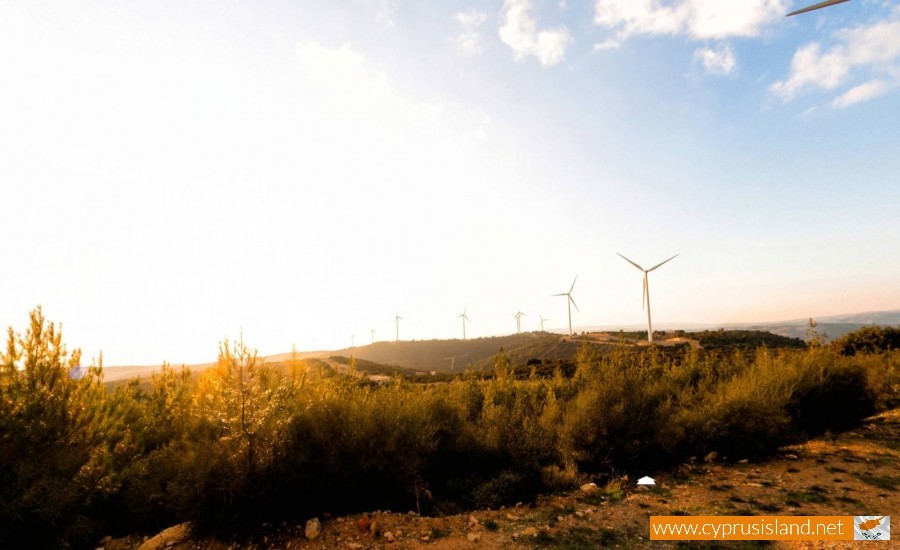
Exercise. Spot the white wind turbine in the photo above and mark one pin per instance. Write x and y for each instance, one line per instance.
(542, 321)
(397, 320)
(570, 302)
(646, 296)
(464, 319)
(518, 315)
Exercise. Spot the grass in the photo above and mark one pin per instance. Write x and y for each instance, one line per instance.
(881, 481)
(578, 538)
(797, 498)
(439, 533)
(491, 525)
(551, 516)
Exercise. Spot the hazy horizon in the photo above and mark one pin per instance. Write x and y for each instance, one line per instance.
(175, 174)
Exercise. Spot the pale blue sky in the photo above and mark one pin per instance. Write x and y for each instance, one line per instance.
(172, 172)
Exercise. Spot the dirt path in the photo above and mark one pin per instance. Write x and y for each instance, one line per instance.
(856, 473)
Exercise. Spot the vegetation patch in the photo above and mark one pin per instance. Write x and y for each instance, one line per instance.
(245, 443)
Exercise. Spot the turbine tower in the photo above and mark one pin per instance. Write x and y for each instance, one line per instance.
(464, 319)
(542, 321)
(571, 302)
(646, 296)
(373, 335)
(518, 315)
(397, 320)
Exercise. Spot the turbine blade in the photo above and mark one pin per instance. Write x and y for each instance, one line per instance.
(574, 304)
(573, 284)
(661, 263)
(817, 6)
(562, 294)
(629, 261)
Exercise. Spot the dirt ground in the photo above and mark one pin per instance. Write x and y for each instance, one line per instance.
(855, 473)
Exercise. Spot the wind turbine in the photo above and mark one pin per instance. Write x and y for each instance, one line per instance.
(397, 320)
(518, 315)
(646, 296)
(542, 321)
(571, 302)
(817, 6)
(373, 335)
(464, 319)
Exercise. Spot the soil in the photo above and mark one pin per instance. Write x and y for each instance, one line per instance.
(853, 473)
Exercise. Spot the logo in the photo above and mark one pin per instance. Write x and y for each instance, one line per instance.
(871, 527)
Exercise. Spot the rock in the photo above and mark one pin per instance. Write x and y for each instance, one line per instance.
(375, 528)
(473, 537)
(106, 540)
(579, 513)
(791, 457)
(473, 522)
(743, 461)
(711, 456)
(530, 532)
(313, 529)
(363, 524)
(388, 536)
(354, 545)
(511, 517)
(590, 489)
(425, 538)
(169, 537)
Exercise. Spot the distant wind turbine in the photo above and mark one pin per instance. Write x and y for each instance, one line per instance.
(570, 301)
(351, 341)
(373, 335)
(646, 297)
(464, 319)
(817, 6)
(397, 320)
(454, 358)
(542, 321)
(518, 315)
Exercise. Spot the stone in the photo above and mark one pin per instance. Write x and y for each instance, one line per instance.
(388, 536)
(473, 537)
(791, 457)
(530, 532)
(473, 522)
(313, 529)
(743, 461)
(168, 537)
(590, 489)
(363, 524)
(711, 456)
(375, 528)
(354, 545)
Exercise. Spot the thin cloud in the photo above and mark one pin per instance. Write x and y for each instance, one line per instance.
(519, 32)
(696, 19)
(718, 61)
(870, 52)
(863, 92)
(470, 40)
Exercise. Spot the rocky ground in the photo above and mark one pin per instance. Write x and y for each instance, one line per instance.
(855, 473)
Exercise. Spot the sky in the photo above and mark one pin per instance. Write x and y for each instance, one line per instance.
(173, 174)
